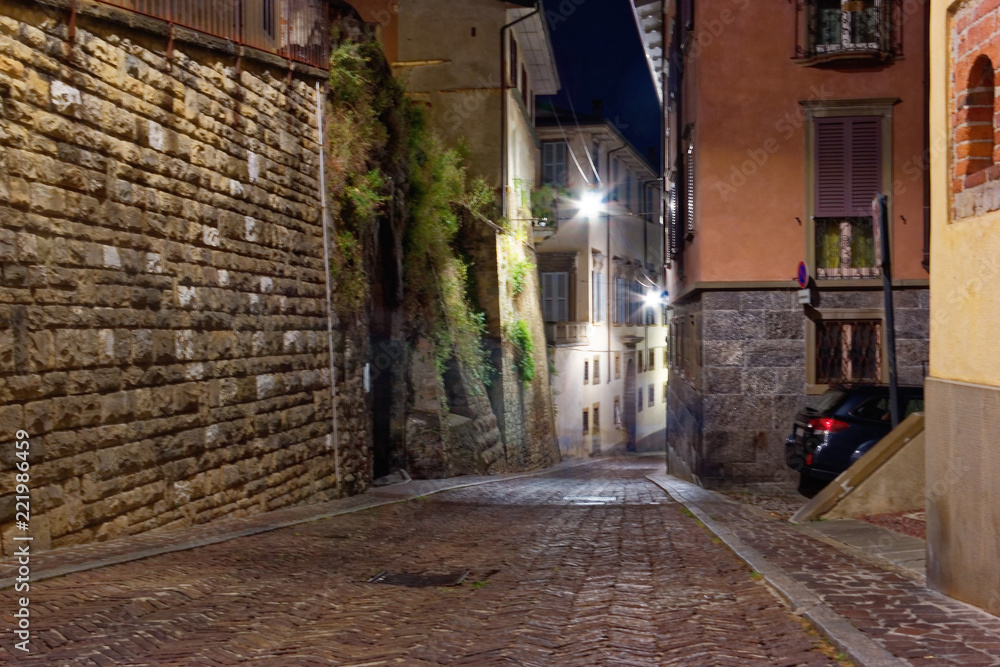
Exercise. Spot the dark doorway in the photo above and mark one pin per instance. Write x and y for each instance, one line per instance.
(630, 411)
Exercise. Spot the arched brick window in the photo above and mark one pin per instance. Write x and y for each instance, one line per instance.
(974, 131)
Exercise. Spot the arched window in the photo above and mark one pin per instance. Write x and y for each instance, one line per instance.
(974, 134)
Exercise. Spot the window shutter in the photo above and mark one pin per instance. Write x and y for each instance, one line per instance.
(866, 163)
(848, 165)
(548, 297)
(832, 167)
(562, 297)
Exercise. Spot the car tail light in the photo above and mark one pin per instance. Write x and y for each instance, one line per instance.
(809, 459)
(827, 424)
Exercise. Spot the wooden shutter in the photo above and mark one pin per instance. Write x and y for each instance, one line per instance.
(848, 165)
(562, 297)
(548, 297)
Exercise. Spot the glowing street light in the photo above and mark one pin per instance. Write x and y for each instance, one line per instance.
(591, 204)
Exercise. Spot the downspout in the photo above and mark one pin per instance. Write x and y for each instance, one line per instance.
(325, 219)
(503, 106)
(927, 139)
(607, 170)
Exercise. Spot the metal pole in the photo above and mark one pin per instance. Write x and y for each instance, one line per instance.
(881, 205)
(325, 220)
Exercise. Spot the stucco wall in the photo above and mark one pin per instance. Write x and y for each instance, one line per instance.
(162, 316)
(963, 401)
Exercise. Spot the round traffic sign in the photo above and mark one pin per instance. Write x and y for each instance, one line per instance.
(802, 275)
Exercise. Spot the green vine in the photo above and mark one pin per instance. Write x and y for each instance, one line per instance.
(519, 272)
(520, 337)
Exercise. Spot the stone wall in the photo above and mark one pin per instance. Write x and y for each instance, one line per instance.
(728, 420)
(163, 330)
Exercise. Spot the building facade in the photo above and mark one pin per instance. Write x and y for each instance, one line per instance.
(768, 171)
(963, 390)
(483, 96)
(600, 262)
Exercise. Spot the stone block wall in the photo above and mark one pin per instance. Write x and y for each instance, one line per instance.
(162, 317)
(728, 422)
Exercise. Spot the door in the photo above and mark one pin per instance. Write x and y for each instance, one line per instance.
(630, 410)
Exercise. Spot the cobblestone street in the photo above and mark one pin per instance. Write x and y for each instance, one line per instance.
(589, 565)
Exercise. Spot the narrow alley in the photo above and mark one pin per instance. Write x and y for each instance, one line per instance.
(583, 565)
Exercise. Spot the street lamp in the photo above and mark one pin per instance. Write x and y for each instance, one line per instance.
(591, 204)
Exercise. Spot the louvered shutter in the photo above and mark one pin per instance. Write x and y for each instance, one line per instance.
(562, 297)
(848, 165)
(548, 297)
(866, 163)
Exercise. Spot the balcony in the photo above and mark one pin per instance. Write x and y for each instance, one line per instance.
(297, 30)
(567, 333)
(853, 30)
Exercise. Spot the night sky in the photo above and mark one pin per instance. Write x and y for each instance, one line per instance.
(600, 56)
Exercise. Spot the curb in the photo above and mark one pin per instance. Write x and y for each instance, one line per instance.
(855, 644)
(375, 501)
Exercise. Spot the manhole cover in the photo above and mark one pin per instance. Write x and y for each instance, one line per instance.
(590, 500)
(419, 580)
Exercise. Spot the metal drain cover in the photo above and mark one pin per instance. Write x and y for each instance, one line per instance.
(590, 500)
(419, 580)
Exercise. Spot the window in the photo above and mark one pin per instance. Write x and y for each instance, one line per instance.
(597, 370)
(664, 392)
(618, 412)
(622, 302)
(586, 422)
(976, 117)
(650, 316)
(628, 189)
(636, 300)
(848, 174)
(640, 359)
(554, 163)
(269, 17)
(689, 176)
(874, 409)
(599, 291)
(555, 297)
(614, 180)
(586, 371)
(666, 357)
(828, 29)
(597, 418)
(848, 351)
(652, 396)
(595, 149)
(651, 364)
(639, 397)
(618, 365)
(524, 85)
(513, 61)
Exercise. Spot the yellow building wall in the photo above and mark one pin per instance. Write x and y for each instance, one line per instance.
(965, 275)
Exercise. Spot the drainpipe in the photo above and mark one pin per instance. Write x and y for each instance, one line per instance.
(325, 219)
(503, 106)
(927, 139)
(607, 170)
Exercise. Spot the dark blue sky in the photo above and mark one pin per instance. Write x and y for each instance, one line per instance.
(600, 56)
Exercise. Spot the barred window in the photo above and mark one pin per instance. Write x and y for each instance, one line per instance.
(848, 351)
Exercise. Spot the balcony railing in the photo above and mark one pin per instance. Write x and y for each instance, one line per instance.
(298, 30)
(848, 29)
(567, 333)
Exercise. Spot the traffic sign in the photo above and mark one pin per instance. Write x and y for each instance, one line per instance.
(803, 275)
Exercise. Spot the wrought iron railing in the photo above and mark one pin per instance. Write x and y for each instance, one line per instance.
(830, 29)
(298, 30)
(848, 351)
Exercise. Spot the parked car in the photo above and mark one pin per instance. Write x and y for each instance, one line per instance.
(839, 426)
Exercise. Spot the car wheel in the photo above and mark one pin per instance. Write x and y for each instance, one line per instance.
(809, 486)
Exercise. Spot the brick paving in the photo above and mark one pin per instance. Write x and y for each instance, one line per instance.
(917, 625)
(592, 565)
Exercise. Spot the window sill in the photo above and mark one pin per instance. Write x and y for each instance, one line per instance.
(858, 57)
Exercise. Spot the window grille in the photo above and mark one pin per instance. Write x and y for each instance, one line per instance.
(848, 351)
